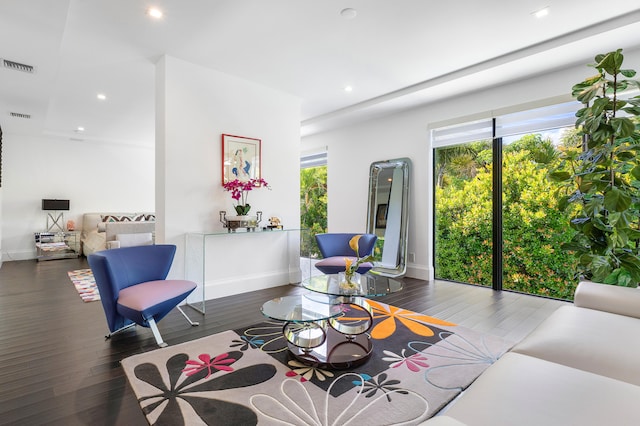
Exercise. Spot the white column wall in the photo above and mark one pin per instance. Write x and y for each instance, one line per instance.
(195, 106)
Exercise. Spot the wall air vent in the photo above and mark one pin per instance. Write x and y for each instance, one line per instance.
(20, 115)
(16, 66)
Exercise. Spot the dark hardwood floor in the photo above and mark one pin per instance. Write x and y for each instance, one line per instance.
(56, 367)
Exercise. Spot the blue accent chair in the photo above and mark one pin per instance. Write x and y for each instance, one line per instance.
(134, 289)
(334, 247)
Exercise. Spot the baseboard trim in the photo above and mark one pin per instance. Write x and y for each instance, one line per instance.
(215, 289)
(18, 255)
(420, 272)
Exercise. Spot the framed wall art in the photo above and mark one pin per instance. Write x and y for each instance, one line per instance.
(240, 158)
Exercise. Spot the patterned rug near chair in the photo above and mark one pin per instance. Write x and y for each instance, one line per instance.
(247, 376)
(85, 284)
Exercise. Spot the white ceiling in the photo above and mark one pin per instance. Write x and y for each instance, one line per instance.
(395, 54)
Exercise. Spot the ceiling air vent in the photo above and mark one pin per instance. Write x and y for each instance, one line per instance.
(16, 66)
(20, 115)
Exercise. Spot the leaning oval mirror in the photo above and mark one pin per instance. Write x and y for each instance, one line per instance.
(387, 214)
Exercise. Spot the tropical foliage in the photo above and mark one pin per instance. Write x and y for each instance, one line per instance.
(571, 207)
(533, 228)
(599, 183)
(313, 207)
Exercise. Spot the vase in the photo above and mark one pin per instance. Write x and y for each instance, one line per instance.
(242, 210)
(232, 223)
(349, 283)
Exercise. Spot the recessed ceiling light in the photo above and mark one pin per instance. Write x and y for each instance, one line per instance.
(542, 12)
(101, 96)
(154, 12)
(348, 13)
(348, 89)
(79, 129)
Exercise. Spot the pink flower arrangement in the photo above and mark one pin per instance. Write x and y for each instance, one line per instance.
(240, 190)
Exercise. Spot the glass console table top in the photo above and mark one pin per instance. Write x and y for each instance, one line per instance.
(370, 285)
(303, 308)
(242, 231)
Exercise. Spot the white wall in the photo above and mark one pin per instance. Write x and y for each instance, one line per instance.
(352, 149)
(195, 106)
(94, 176)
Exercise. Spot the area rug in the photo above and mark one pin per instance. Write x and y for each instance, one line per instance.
(85, 284)
(247, 376)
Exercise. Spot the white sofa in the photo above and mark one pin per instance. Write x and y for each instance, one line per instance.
(581, 366)
(101, 231)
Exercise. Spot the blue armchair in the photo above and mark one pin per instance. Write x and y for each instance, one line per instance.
(334, 247)
(134, 289)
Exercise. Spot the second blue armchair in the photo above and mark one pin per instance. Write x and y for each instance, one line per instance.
(334, 247)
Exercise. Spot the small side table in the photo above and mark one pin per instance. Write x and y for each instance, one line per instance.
(57, 245)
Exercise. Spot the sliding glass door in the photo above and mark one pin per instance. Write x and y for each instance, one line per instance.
(533, 229)
(463, 200)
(499, 225)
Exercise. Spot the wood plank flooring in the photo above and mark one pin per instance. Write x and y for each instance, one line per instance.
(56, 368)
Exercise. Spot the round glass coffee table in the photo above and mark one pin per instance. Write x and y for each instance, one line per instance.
(322, 330)
(352, 327)
(328, 327)
(304, 318)
(367, 285)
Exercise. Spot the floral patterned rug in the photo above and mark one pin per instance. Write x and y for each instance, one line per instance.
(247, 376)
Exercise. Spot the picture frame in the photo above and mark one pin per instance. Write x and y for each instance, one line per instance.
(241, 158)
(381, 216)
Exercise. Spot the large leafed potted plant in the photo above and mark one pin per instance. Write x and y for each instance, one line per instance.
(601, 181)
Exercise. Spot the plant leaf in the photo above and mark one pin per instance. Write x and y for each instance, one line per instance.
(612, 278)
(622, 126)
(616, 200)
(599, 266)
(611, 62)
(559, 176)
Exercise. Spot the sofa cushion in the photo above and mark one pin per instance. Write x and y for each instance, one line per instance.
(93, 242)
(130, 240)
(152, 299)
(523, 390)
(335, 264)
(608, 298)
(591, 340)
(116, 218)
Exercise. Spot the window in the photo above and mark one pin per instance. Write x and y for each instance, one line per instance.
(499, 226)
(313, 198)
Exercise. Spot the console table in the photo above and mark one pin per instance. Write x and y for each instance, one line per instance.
(201, 249)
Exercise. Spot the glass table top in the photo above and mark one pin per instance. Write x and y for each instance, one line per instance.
(303, 308)
(369, 285)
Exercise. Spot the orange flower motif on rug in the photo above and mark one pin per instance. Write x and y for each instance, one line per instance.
(385, 317)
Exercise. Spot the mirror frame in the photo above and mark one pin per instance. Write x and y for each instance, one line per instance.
(404, 165)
